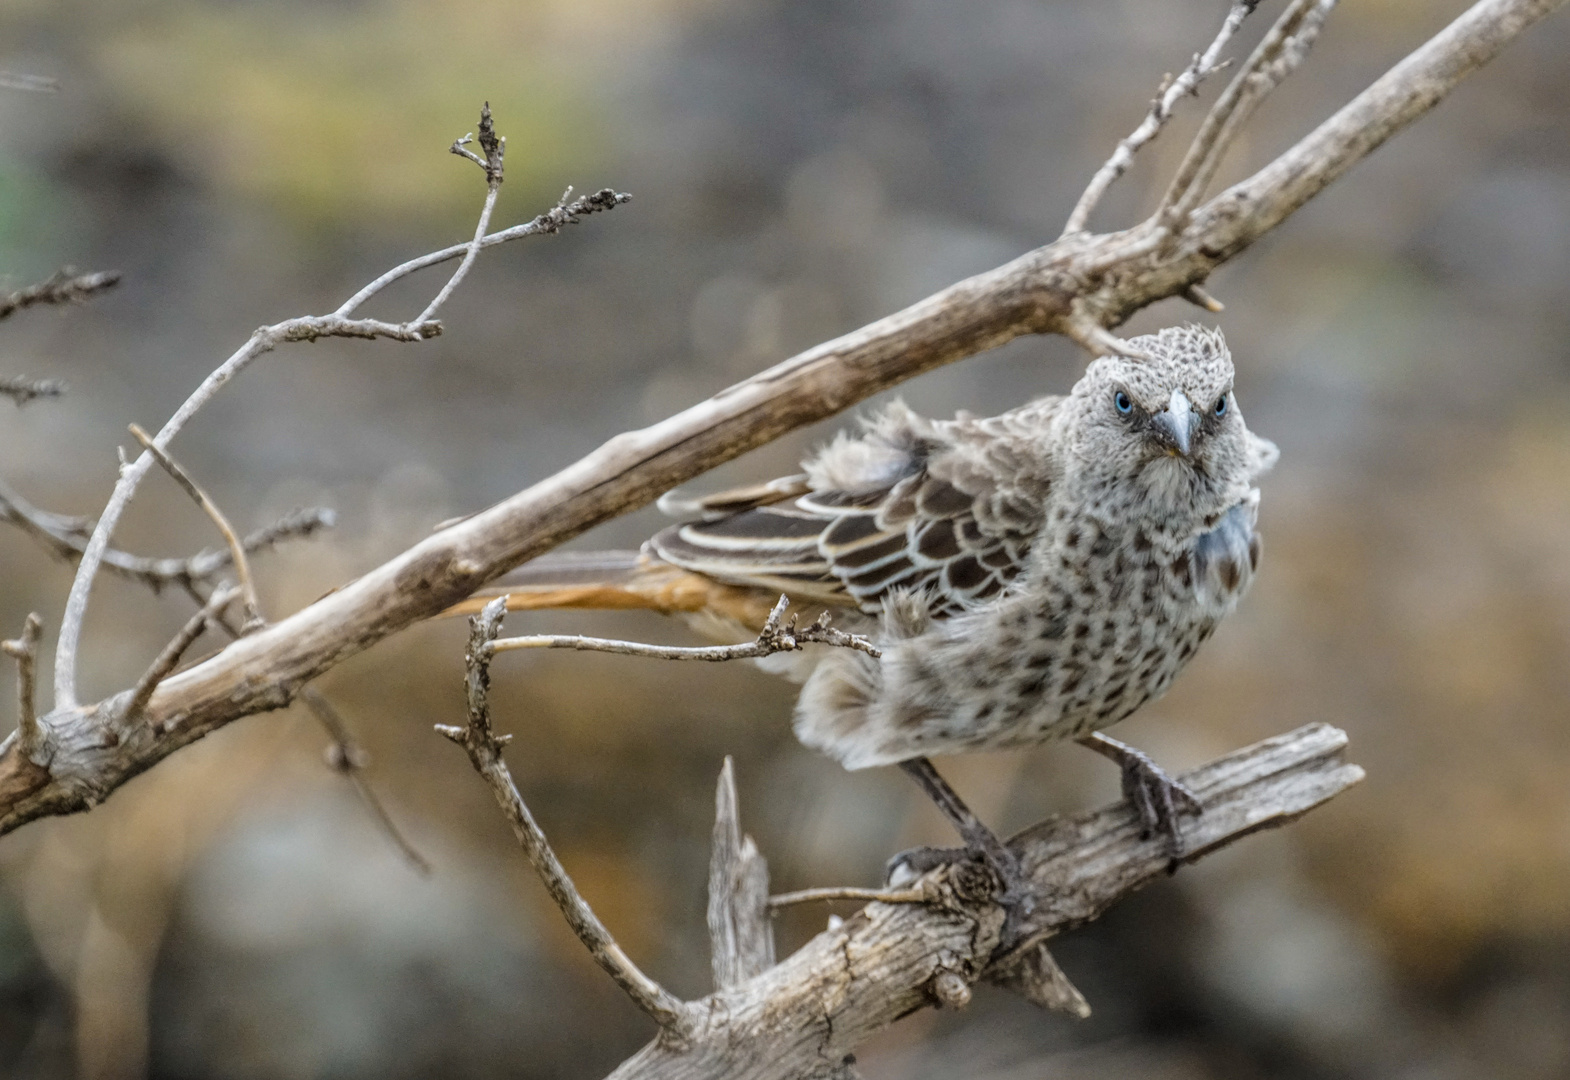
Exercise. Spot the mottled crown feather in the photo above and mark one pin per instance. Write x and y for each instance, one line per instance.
(1190, 343)
(1191, 358)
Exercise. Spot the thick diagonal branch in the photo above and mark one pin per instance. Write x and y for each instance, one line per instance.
(1107, 278)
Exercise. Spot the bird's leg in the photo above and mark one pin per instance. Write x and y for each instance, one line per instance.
(1156, 797)
(979, 840)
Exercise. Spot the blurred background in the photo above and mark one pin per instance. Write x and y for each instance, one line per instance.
(799, 168)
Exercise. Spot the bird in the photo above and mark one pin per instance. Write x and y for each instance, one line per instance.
(1032, 576)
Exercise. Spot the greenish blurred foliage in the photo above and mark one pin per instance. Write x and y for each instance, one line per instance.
(331, 112)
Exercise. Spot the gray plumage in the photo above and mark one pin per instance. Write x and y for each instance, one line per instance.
(1035, 575)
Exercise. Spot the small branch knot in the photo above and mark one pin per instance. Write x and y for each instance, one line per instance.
(950, 989)
(495, 147)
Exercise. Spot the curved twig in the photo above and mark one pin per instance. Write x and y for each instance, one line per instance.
(242, 567)
(1033, 294)
(1171, 92)
(66, 537)
(484, 748)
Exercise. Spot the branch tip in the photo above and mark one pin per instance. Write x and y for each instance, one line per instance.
(1171, 90)
(1196, 295)
(242, 566)
(31, 737)
(346, 756)
(23, 388)
(65, 286)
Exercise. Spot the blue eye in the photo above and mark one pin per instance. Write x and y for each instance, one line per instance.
(1221, 405)
(1124, 405)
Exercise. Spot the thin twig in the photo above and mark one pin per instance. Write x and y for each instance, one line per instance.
(142, 693)
(1195, 294)
(30, 735)
(1161, 109)
(347, 757)
(1083, 328)
(883, 896)
(777, 636)
(546, 224)
(264, 340)
(63, 287)
(38, 84)
(484, 748)
(1278, 53)
(495, 149)
(344, 755)
(66, 536)
(242, 566)
(24, 388)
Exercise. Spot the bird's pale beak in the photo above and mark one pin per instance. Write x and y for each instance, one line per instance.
(1176, 424)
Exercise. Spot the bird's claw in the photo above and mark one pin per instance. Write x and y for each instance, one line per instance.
(1013, 893)
(1158, 799)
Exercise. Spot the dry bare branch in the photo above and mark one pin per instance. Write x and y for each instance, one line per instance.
(882, 896)
(777, 636)
(1277, 55)
(24, 388)
(63, 287)
(808, 1013)
(346, 756)
(480, 741)
(66, 536)
(1171, 92)
(242, 567)
(741, 938)
(38, 84)
(1106, 277)
(24, 650)
(495, 148)
(264, 340)
(170, 656)
(547, 224)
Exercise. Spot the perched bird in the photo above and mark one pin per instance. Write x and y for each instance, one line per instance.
(1031, 576)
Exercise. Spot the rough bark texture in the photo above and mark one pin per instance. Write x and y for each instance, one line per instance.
(804, 1016)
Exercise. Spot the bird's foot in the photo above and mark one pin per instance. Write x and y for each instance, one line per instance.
(1157, 797)
(981, 843)
(1011, 889)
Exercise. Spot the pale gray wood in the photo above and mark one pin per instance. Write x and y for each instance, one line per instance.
(805, 1015)
(741, 934)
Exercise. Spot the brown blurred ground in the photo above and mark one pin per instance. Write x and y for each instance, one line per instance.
(799, 167)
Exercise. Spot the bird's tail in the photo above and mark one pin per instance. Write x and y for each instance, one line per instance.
(621, 580)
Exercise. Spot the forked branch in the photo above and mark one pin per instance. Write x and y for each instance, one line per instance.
(24, 650)
(484, 747)
(1171, 92)
(66, 537)
(808, 1013)
(242, 566)
(777, 636)
(1098, 280)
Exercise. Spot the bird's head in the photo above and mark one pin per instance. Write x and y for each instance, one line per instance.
(1165, 426)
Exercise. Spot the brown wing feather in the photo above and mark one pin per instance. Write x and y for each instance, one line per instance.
(849, 549)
